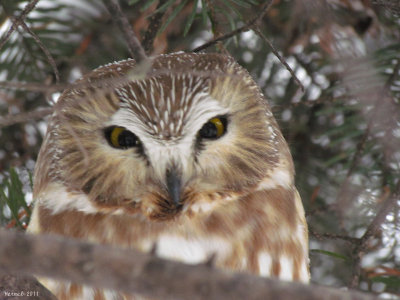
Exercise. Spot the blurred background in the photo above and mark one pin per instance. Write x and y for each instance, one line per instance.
(343, 129)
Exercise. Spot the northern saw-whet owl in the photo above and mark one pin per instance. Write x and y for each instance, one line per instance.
(188, 161)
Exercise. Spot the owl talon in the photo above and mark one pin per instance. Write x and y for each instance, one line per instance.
(153, 250)
(210, 262)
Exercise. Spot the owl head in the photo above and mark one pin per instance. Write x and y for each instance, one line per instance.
(193, 134)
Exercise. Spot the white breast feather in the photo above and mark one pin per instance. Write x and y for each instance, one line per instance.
(191, 251)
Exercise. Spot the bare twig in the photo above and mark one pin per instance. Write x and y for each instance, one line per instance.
(331, 236)
(154, 25)
(248, 26)
(25, 117)
(135, 272)
(281, 59)
(27, 9)
(308, 103)
(135, 48)
(222, 38)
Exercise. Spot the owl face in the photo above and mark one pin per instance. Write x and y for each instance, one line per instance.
(191, 136)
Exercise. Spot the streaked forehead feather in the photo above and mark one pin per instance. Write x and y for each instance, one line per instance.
(169, 99)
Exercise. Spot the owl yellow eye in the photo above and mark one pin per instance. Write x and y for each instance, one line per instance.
(214, 128)
(119, 137)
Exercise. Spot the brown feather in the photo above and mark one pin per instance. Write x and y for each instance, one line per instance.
(237, 201)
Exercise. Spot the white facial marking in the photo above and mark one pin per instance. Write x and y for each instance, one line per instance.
(58, 199)
(264, 264)
(279, 177)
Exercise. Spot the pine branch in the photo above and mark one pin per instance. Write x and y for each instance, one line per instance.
(134, 272)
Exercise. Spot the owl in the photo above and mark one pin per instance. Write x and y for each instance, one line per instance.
(187, 162)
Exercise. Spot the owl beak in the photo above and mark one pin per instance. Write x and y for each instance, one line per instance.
(174, 185)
